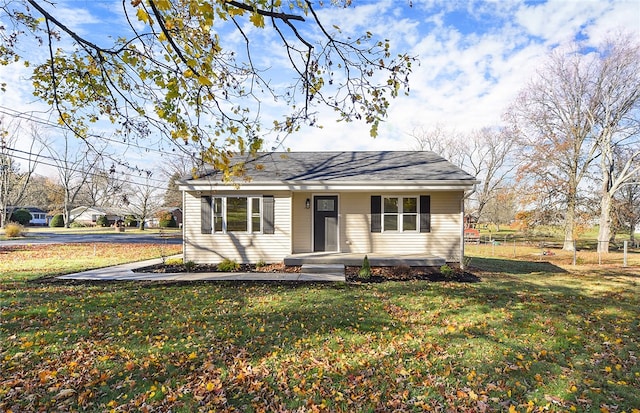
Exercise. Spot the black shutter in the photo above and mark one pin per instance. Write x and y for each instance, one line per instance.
(425, 213)
(268, 214)
(376, 216)
(205, 215)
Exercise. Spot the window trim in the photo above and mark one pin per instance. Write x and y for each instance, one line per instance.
(249, 215)
(400, 214)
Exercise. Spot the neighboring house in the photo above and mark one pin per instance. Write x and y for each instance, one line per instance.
(38, 216)
(154, 221)
(87, 215)
(343, 202)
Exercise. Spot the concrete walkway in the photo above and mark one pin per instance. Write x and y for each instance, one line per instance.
(125, 273)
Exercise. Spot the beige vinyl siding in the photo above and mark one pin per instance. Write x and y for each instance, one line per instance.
(443, 240)
(241, 247)
(301, 218)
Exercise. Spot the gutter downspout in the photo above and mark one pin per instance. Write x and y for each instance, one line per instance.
(464, 198)
(184, 221)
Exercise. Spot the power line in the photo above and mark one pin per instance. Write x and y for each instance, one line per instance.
(32, 118)
(94, 174)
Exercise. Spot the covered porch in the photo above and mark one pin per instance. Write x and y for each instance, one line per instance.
(355, 259)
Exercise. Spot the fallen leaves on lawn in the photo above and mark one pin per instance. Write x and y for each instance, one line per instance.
(413, 346)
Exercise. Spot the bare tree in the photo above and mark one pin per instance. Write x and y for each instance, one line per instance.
(143, 200)
(551, 117)
(75, 165)
(14, 183)
(485, 153)
(103, 185)
(447, 143)
(615, 123)
(489, 158)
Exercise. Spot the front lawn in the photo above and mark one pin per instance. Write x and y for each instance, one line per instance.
(536, 337)
(25, 262)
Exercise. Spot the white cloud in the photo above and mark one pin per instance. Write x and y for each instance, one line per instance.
(465, 80)
(558, 21)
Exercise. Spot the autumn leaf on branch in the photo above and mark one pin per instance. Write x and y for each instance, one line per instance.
(176, 71)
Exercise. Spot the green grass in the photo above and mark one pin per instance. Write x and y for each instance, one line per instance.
(526, 253)
(26, 262)
(546, 233)
(29, 231)
(530, 336)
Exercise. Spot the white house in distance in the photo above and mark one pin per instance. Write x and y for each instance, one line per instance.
(327, 204)
(38, 216)
(88, 215)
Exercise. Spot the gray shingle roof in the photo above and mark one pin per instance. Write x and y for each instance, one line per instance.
(348, 167)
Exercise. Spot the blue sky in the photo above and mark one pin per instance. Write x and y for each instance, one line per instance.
(474, 58)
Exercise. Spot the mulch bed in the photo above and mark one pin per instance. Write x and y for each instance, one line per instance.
(177, 268)
(404, 273)
(378, 274)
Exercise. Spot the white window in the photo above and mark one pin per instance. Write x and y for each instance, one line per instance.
(400, 213)
(237, 214)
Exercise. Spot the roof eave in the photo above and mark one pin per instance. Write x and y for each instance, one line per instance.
(355, 186)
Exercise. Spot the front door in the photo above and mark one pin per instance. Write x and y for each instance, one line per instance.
(325, 223)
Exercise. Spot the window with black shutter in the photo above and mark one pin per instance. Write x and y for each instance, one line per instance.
(425, 213)
(376, 216)
(205, 215)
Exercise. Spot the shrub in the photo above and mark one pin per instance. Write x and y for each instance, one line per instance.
(13, 230)
(102, 221)
(261, 264)
(167, 221)
(189, 266)
(228, 266)
(21, 216)
(130, 221)
(365, 271)
(57, 221)
(75, 224)
(447, 271)
(175, 261)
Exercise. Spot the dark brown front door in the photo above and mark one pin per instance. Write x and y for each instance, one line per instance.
(325, 223)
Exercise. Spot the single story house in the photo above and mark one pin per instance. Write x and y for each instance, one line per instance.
(384, 202)
(88, 215)
(38, 216)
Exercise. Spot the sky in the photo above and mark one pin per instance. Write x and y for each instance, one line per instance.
(473, 59)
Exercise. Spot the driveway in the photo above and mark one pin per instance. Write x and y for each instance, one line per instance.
(34, 237)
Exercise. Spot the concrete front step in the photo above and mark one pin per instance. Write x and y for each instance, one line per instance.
(375, 260)
(322, 269)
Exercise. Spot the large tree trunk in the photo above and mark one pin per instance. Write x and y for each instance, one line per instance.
(67, 217)
(569, 223)
(604, 233)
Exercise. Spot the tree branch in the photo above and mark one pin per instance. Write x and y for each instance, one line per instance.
(70, 32)
(280, 16)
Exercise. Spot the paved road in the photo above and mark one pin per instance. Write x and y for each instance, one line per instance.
(114, 238)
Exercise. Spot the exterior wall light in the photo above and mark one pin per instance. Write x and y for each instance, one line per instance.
(307, 203)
